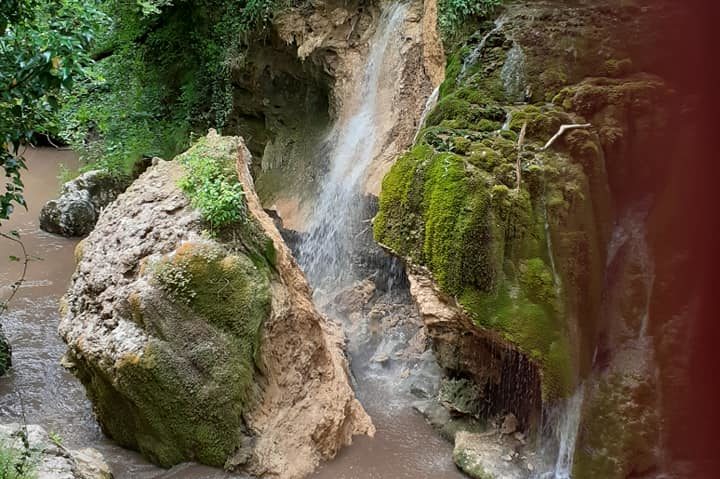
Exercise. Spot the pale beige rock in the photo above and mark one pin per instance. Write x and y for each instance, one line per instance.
(308, 410)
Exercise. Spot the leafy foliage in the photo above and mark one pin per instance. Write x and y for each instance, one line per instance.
(43, 51)
(212, 185)
(13, 463)
(453, 13)
(163, 71)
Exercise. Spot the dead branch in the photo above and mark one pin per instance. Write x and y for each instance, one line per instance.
(521, 141)
(562, 131)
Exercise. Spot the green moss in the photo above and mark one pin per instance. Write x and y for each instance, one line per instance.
(461, 145)
(637, 93)
(620, 429)
(183, 397)
(542, 123)
(618, 68)
(227, 290)
(452, 108)
(399, 223)
(467, 462)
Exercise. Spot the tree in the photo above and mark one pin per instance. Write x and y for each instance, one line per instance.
(44, 49)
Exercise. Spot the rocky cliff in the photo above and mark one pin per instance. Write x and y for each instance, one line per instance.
(290, 89)
(200, 342)
(528, 242)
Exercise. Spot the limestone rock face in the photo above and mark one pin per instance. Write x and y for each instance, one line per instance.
(205, 348)
(50, 459)
(77, 209)
(492, 363)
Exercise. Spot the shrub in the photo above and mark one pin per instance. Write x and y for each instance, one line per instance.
(211, 184)
(453, 13)
(14, 464)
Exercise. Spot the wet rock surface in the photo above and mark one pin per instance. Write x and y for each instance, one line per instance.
(200, 348)
(81, 200)
(45, 457)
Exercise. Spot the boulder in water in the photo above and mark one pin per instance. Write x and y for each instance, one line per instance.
(206, 347)
(48, 458)
(484, 456)
(77, 209)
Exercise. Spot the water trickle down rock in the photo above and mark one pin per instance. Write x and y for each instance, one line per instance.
(204, 349)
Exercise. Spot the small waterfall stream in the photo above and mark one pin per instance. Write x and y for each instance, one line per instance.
(567, 434)
(429, 105)
(476, 53)
(345, 268)
(325, 254)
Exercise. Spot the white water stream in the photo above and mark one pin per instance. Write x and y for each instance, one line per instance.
(405, 446)
(354, 142)
(476, 53)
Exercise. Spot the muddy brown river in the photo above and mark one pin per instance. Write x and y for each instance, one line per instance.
(40, 389)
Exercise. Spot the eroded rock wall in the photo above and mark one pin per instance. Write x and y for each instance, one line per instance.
(291, 89)
(531, 243)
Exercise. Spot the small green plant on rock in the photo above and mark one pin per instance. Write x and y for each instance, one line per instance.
(14, 464)
(453, 13)
(212, 185)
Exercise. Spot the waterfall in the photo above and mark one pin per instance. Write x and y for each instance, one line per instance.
(630, 232)
(567, 434)
(429, 105)
(356, 139)
(565, 423)
(475, 54)
(513, 74)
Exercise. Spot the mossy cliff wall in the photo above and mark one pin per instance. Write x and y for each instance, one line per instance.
(528, 261)
(173, 317)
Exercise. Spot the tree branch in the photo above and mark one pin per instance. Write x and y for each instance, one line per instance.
(521, 141)
(16, 285)
(562, 131)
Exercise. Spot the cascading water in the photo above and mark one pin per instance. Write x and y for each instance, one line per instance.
(429, 105)
(346, 268)
(476, 53)
(513, 74)
(567, 434)
(326, 252)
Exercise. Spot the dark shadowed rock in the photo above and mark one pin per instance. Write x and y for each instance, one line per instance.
(5, 353)
(77, 209)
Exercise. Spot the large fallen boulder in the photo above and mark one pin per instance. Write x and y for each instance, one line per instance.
(77, 209)
(198, 341)
(29, 451)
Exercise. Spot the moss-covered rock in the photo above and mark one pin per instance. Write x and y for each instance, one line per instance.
(169, 314)
(620, 428)
(191, 316)
(485, 241)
